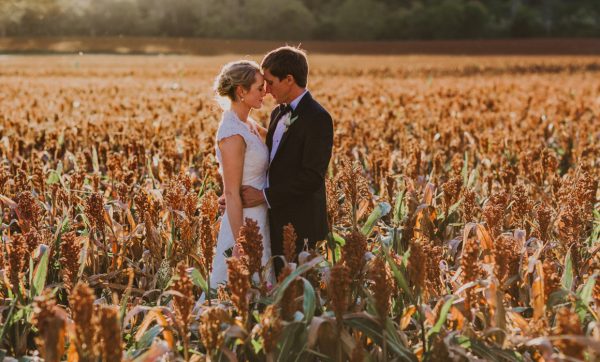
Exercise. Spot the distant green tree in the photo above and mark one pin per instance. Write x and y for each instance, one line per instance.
(418, 22)
(526, 23)
(396, 24)
(325, 14)
(272, 19)
(25, 16)
(220, 19)
(582, 22)
(11, 13)
(303, 19)
(360, 19)
(113, 17)
(577, 18)
(475, 20)
(447, 19)
(180, 17)
(150, 14)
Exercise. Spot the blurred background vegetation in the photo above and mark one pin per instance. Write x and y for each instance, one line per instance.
(303, 19)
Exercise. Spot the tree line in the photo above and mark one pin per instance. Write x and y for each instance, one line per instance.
(303, 19)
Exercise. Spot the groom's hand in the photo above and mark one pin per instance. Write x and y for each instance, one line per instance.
(251, 196)
(222, 204)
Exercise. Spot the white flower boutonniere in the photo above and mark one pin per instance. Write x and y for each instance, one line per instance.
(288, 121)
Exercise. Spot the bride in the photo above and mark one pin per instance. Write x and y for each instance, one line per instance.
(243, 159)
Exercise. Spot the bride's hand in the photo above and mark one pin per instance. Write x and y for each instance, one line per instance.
(262, 131)
(236, 251)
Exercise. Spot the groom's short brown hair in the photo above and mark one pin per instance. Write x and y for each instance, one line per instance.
(287, 60)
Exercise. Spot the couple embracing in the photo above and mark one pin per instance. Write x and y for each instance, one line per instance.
(274, 176)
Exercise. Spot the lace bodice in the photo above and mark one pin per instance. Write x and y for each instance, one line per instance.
(256, 159)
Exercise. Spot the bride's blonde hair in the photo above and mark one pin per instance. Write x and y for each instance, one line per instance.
(234, 74)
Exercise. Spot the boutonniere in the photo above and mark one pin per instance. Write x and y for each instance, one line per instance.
(288, 121)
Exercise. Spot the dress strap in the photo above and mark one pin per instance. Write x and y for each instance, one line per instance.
(231, 126)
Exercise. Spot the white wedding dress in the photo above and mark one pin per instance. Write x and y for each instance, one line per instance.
(256, 163)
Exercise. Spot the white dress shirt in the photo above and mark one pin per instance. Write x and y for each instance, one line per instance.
(278, 135)
(280, 129)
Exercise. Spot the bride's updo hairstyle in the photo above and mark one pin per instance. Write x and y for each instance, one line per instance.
(234, 74)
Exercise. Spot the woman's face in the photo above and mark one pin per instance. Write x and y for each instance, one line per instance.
(254, 96)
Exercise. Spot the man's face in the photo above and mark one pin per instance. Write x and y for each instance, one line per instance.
(279, 89)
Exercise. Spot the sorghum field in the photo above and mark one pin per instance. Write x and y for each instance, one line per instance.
(463, 198)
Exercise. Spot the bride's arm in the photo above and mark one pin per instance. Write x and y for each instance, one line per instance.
(232, 152)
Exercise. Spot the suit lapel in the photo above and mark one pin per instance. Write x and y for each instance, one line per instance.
(296, 113)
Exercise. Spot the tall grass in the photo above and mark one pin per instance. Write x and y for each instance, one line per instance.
(464, 217)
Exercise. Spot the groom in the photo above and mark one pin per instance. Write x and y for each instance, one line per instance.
(300, 140)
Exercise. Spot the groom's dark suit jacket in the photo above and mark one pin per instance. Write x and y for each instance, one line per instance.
(296, 192)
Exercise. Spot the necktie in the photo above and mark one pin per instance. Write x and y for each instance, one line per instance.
(285, 109)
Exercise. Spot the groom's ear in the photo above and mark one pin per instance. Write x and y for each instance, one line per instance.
(290, 79)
